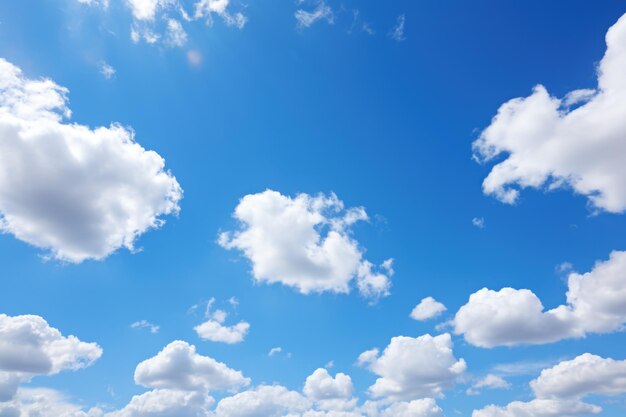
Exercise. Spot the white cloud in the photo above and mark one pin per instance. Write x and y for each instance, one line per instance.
(147, 9)
(548, 144)
(489, 381)
(215, 331)
(428, 308)
(107, 70)
(426, 407)
(330, 393)
(206, 8)
(322, 11)
(179, 367)
(559, 390)
(412, 368)
(304, 242)
(397, 32)
(102, 3)
(584, 375)
(263, 401)
(511, 317)
(81, 193)
(175, 35)
(539, 408)
(145, 324)
(166, 403)
(43, 402)
(479, 222)
(274, 351)
(30, 347)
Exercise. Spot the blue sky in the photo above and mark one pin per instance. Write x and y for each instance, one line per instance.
(306, 98)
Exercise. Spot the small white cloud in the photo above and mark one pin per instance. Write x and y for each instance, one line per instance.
(144, 324)
(107, 70)
(489, 381)
(479, 222)
(322, 11)
(214, 329)
(274, 351)
(175, 35)
(428, 308)
(206, 8)
(397, 32)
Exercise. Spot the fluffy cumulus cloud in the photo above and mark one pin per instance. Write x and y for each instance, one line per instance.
(411, 368)
(426, 407)
(511, 317)
(489, 381)
(428, 308)
(78, 192)
(306, 243)
(576, 142)
(215, 330)
(329, 393)
(263, 401)
(559, 390)
(179, 367)
(167, 403)
(29, 346)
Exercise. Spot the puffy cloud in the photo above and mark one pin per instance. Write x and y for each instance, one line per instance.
(511, 317)
(489, 381)
(539, 408)
(428, 308)
(559, 390)
(179, 367)
(43, 402)
(426, 407)
(397, 32)
(329, 393)
(322, 11)
(549, 143)
(81, 193)
(107, 70)
(167, 403)
(304, 242)
(412, 368)
(30, 347)
(584, 375)
(263, 401)
(215, 331)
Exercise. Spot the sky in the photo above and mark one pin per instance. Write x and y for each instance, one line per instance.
(312, 208)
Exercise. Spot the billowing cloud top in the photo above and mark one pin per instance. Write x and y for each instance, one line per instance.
(78, 192)
(282, 238)
(578, 141)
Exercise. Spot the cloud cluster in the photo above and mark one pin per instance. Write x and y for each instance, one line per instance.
(29, 346)
(412, 368)
(595, 304)
(575, 142)
(322, 11)
(559, 390)
(78, 192)
(305, 242)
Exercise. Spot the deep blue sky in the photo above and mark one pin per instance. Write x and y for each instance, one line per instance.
(384, 124)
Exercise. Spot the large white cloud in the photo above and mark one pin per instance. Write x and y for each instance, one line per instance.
(43, 402)
(30, 347)
(583, 375)
(576, 142)
(595, 304)
(179, 367)
(78, 192)
(414, 368)
(539, 408)
(304, 242)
